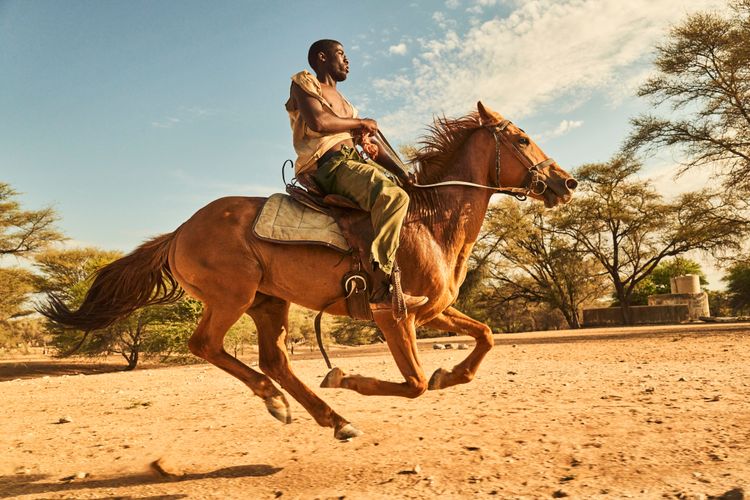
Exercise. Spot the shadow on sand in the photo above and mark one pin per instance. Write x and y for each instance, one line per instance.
(36, 484)
(11, 370)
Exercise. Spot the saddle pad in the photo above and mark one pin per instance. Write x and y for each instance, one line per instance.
(284, 220)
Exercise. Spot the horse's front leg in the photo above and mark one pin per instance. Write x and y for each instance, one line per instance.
(402, 341)
(453, 320)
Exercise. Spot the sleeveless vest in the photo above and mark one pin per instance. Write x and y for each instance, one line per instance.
(308, 144)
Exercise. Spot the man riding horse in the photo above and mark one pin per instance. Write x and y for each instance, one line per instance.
(217, 258)
(324, 129)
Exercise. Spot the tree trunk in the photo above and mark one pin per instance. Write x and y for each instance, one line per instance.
(132, 360)
(627, 313)
(624, 299)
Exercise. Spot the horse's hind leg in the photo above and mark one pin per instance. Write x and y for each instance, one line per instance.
(402, 342)
(452, 320)
(207, 342)
(270, 315)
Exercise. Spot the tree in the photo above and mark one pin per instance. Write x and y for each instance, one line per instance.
(348, 331)
(15, 289)
(66, 272)
(659, 281)
(15, 286)
(24, 232)
(532, 261)
(153, 330)
(242, 333)
(703, 75)
(678, 266)
(630, 229)
(738, 287)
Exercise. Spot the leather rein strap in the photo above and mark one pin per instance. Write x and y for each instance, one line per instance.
(520, 192)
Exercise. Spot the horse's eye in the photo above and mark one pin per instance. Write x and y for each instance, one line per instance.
(523, 141)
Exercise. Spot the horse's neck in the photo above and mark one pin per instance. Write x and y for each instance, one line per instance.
(451, 218)
(454, 214)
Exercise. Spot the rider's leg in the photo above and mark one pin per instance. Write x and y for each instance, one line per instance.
(369, 187)
(366, 184)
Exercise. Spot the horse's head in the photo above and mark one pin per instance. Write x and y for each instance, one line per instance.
(517, 162)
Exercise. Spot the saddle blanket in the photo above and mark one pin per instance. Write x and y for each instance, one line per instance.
(284, 220)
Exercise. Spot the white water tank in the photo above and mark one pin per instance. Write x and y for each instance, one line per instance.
(690, 283)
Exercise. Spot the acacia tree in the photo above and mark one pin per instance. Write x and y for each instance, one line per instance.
(15, 288)
(154, 330)
(738, 287)
(630, 229)
(24, 232)
(703, 75)
(533, 262)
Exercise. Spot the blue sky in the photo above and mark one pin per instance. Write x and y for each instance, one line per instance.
(128, 116)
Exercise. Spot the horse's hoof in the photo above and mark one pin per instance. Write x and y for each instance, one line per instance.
(347, 432)
(333, 379)
(436, 381)
(279, 408)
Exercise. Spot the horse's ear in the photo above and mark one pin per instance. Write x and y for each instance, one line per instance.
(486, 115)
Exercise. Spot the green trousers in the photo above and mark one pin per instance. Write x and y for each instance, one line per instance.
(366, 184)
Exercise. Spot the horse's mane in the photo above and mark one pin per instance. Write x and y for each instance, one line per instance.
(438, 148)
(434, 157)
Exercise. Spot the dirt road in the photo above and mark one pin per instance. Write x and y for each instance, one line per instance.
(639, 413)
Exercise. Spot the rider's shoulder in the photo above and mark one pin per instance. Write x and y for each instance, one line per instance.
(307, 82)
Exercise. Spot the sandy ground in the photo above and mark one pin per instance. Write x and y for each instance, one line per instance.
(629, 413)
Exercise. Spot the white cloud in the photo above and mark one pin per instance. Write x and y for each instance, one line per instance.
(668, 182)
(480, 5)
(452, 4)
(443, 21)
(167, 122)
(542, 51)
(563, 128)
(399, 49)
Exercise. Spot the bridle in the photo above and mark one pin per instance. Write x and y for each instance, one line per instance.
(533, 184)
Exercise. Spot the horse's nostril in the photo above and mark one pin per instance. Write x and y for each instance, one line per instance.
(571, 184)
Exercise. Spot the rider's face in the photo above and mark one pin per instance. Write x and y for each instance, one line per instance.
(337, 63)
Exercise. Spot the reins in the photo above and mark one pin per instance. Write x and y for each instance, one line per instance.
(519, 192)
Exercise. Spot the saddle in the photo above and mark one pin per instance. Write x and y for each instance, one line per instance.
(356, 229)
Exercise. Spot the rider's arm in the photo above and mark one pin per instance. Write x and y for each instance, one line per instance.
(325, 122)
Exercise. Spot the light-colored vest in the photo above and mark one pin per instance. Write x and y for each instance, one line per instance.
(308, 144)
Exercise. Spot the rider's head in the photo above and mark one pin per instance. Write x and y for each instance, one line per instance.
(327, 56)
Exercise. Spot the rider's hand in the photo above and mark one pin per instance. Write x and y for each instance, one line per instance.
(369, 147)
(369, 126)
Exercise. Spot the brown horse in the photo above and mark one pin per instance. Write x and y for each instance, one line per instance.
(215, 257)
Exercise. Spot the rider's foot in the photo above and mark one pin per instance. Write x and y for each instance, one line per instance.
(386, 303)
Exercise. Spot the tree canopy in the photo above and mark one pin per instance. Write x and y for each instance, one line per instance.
(24, 232)
(703, 79)
(522, 257)
(738, 287)
(157, 330)
(628, 227)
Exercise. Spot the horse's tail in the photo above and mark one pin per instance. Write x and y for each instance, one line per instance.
(139, 279)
